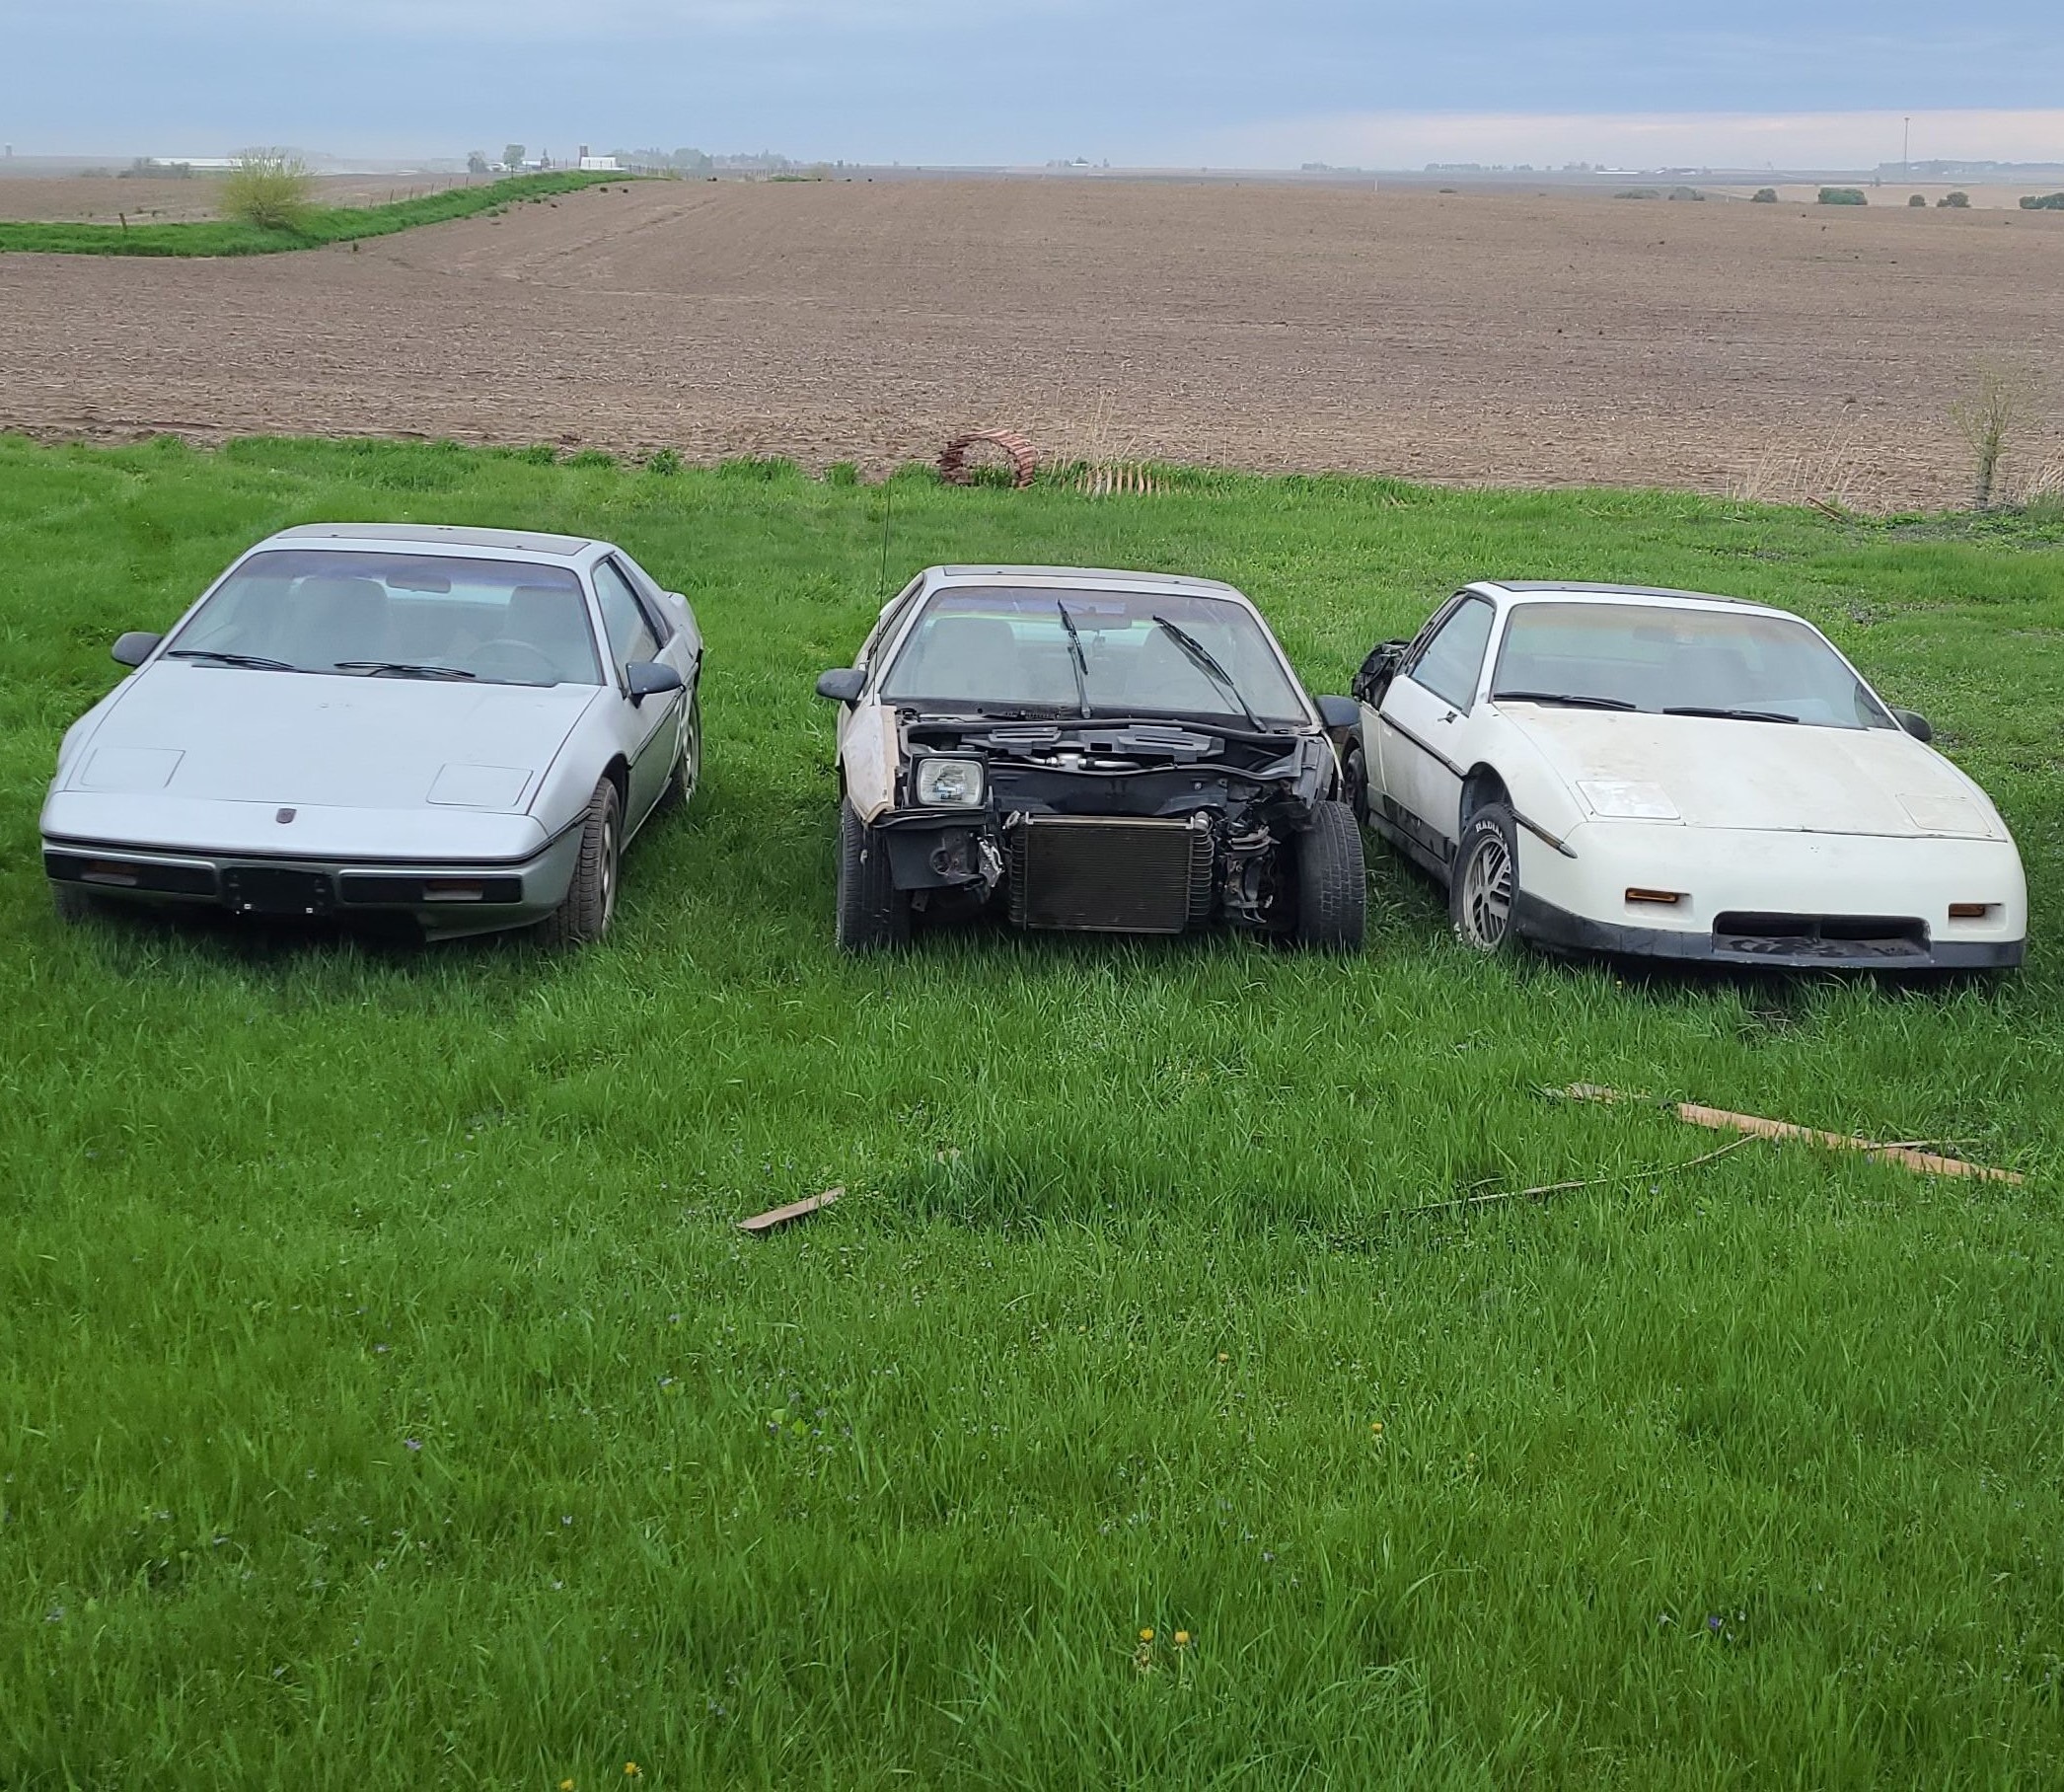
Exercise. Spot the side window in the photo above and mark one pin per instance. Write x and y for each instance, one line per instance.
(897, 609)
(631, 632)
(650, 590)
(1451, 663)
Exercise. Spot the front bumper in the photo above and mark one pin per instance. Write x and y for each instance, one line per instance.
(1781, 900)
(447, 898)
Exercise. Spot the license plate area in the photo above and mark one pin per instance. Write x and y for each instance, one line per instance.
(270, 891)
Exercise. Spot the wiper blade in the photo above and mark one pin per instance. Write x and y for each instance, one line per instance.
(1730, 715)
(256, 662)
(399, 668)
(1568, 699)
(1074, 654)
(1203, 658)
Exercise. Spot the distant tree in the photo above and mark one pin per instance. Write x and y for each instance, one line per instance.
(1843, 195)
(1920, 199)
(267, 187)
(690, 161)
(475, 162)
(1766, 195)
(513, 157)
(1955, 202)
(2049, 201)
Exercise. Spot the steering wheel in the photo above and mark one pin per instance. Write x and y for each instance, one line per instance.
(508, 657)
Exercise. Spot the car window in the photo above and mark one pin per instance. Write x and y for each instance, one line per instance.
(632, 635)
(1448, 664)
(651, 590)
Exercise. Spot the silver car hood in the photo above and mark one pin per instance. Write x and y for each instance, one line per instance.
(192, 732)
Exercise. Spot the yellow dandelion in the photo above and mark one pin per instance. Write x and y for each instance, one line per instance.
(566, 1785)
(1376, 1430)
(1182, 1639)
(1224, 1357)
(634, 1769)
(1147, 1636)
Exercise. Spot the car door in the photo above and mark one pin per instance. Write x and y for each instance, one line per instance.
(649, 732)
(1423, 725)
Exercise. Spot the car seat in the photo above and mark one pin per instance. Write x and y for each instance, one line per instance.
(338, 618)
(553, 620)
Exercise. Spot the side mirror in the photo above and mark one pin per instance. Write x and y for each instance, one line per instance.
(1914, 722)
(644, 678)
(1377, 670)
(134, 647)
(1340, 712)
(842, 685)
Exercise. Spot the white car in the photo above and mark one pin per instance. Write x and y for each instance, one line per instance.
(460, 725)
(1611, 769)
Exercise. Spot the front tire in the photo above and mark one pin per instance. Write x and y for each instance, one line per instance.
(591, 901)
(874, 914)
(1483, 887)
(1332, 881)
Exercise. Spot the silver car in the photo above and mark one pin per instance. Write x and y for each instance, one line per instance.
(462, 725)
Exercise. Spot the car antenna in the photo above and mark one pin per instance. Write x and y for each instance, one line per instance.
(888, 509)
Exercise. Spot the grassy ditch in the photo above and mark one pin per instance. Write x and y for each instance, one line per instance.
(318, 225)
(385, 1394)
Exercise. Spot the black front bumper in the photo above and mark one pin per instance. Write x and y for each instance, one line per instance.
(1556, 929)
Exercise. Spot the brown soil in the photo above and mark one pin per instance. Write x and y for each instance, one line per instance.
(1779, 351)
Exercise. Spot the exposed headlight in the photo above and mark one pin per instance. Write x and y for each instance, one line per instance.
(951, 784)
(1622, 800)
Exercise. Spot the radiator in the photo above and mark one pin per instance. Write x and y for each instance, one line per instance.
(1110, 875)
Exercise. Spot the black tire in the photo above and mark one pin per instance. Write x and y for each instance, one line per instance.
(591, 901)
(1354, 781)
(686, 774)
(1332, 881)
(1484, 886)
(874, 914)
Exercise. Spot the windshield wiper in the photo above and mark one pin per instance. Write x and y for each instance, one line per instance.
(256, 662)
(1729, 715)
(399, 668)
(1074, 654)
(1201, 657)
(1567, 699)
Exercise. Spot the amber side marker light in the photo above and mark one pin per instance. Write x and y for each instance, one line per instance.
(453, 892)
(1972, 911)
(1668, 899)
(101, 871)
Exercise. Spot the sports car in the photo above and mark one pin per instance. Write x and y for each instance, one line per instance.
(1110, 752)
(462, 727)
(1618, 769)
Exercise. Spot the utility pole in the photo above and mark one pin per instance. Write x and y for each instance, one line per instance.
(1906, 152)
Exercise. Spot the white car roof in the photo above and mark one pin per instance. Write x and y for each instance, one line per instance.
(1081, 578)
(525, 543)
(1526, 590)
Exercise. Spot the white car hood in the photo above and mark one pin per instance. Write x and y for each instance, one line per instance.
(233, 735)
(1721, 774)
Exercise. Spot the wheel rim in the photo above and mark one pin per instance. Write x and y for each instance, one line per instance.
(609, 869)
(691, 773)
(1487, 894)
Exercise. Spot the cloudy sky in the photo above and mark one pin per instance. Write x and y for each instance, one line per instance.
(1140, 82)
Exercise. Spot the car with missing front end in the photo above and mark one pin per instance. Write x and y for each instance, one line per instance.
(1669, 775)
(1087, 751)
(459, 728)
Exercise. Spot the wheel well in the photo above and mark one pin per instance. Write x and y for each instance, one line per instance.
(1482, 785)
(618, 771)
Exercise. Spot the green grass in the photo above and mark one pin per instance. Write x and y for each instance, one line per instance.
(320, 224)
(387, 1399)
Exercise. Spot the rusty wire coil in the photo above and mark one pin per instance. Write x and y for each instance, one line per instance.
(953, 458)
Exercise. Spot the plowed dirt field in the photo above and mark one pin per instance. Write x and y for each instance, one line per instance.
(1783, 351)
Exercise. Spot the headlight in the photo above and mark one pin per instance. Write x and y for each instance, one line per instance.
(951, 784)
(1623, 800)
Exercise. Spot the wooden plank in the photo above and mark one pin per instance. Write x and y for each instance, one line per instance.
(778, 1217)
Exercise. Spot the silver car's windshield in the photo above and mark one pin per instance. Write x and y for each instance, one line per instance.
(1009, 646)
(386, 615)
(1668, 660)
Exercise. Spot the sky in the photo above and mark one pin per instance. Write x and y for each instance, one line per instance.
(1162, 83)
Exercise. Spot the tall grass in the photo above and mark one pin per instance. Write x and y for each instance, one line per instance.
(305, 227)
(385, 1398)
